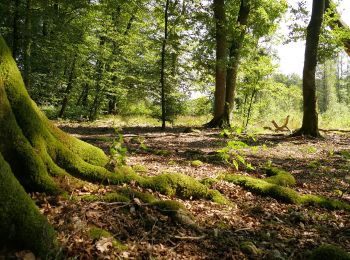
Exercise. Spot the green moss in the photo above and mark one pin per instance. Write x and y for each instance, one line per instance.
(143, 196)
(196, 163)
(122, 195)
(169, 207)
(176, 211)
(284, 194)
(181, 185)
(249, 248)
(21, 223)
(326, 252)
(279, 177)
(162, 152)
(332, 204)
(264, 188)
(209, 181)
(139, 168)
(98, 233)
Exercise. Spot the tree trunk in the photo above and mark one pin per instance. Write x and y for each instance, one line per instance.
(162, 69)
(68, 89)
(36, 155)
(234, 56)
(27, 45)
(220, 70)
(15, 36)
(310, 118)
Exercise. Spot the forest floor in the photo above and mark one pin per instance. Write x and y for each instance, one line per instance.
(273, 230)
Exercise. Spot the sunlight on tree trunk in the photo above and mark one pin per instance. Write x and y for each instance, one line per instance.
(310, 118)
(32, 150)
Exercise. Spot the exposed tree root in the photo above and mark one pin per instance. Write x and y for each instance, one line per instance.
(36, 154)
(275, 187)
(173, 209)
(313, 133)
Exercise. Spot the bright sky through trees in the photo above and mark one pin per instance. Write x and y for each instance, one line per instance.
(292, 54)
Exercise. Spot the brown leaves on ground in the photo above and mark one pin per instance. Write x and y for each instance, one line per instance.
(274, 230)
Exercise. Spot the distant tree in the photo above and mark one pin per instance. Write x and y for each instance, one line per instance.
(310, 117)
(220, 65)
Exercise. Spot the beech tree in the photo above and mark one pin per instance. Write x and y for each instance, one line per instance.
(32, 150)
(254, 17)
(37, 156)
(310, 117)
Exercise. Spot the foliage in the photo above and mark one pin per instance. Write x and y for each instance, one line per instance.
(118, 150)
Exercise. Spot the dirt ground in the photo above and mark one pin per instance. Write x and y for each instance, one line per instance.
(273, 230)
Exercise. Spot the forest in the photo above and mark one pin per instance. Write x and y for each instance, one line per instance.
(167, 129)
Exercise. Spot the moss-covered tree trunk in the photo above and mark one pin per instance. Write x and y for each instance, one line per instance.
(32, 151)
(35, 156)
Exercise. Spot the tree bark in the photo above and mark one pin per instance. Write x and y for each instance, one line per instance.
(15, 36)
(162, 69)
(28, 45)
(36, 155)
(220, 67)
(234, 56)
(310, 118)
(68, 89)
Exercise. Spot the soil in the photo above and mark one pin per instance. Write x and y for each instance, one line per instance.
(273, 230)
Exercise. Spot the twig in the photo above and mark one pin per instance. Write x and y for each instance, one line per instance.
(189, 238)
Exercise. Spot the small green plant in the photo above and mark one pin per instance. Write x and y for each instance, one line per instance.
(117, 149)
(231, 154)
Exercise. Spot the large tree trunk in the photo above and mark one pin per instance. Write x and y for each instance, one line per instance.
(234, 56)
(32, 151)
(220, 73)
(310, 117)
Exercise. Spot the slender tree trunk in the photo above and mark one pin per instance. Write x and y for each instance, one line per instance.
(28, 44)
(68, 89)
(162, 70)
(220, 70)
(83, 98)
(234, 56)
(310, 118)
(250, 107)
(15, 35)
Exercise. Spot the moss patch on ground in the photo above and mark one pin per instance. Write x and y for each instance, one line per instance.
(171, 208)
(182, 185)
(274, 187)
(326, 252)
(279, 176)
(98, 233)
